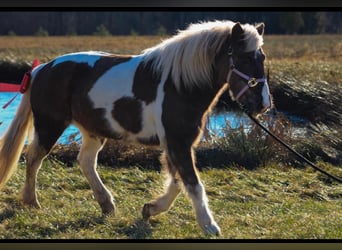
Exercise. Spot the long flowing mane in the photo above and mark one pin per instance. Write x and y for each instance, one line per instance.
(189, 54)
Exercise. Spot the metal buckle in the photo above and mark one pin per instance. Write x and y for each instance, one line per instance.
(252, 82)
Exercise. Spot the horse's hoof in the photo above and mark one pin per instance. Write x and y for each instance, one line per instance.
(108, 209)
(31, 203)
(34, 205)
(146, 211)
(212, 229)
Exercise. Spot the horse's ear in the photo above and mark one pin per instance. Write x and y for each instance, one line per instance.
(260, 28)
(237, 32)
(237, 37)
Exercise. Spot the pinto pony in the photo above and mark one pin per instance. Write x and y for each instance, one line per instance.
(160, 97)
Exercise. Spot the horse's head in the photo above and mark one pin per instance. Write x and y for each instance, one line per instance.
(246, 77)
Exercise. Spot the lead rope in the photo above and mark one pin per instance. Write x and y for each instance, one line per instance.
(249, 85)
(292, 150)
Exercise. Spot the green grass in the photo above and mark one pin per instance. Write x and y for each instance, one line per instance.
(267, 203)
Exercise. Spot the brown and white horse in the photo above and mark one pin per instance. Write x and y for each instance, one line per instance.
(160, 97)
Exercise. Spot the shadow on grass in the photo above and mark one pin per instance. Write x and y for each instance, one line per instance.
(140, 229)
(65, 227)
(7, 213)
(12, 204)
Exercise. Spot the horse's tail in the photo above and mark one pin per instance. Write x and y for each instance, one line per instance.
(12, 142)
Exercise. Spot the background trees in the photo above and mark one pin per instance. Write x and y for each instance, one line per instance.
(167, 22)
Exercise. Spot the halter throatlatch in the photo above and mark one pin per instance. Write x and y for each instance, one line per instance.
(251, 81)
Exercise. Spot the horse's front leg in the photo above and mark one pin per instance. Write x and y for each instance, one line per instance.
(164, 202)
(182, 158)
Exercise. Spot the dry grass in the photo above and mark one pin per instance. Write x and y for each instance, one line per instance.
(311, 48)
(18, 49)
(304, 47)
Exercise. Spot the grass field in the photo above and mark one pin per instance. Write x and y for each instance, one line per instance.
(275, 201)
(268, 203)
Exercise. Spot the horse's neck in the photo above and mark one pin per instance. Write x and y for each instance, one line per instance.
(204, 98)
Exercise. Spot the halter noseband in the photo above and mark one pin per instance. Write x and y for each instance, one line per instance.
(251, 81)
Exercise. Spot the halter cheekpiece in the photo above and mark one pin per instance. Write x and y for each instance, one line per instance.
(251, 81)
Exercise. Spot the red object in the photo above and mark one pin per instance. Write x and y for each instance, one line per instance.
(9, 87)
(27, 77)
(35, 63)
(25, 82)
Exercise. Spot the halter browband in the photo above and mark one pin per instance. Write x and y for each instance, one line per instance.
(251, 81)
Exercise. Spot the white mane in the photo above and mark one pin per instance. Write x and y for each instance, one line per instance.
(189, 54)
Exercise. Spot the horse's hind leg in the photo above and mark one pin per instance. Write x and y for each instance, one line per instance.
(164, 202)
(45, 137)
(87, 159)
(35, 156)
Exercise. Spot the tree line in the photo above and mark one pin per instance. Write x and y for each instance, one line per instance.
(160, 22)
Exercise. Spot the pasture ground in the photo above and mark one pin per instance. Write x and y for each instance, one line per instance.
(268, 203)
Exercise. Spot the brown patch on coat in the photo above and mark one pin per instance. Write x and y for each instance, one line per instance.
(182, 120)
(50, 102)
(82, 107)
(145, 83)
(127, 112)
(59, 95)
